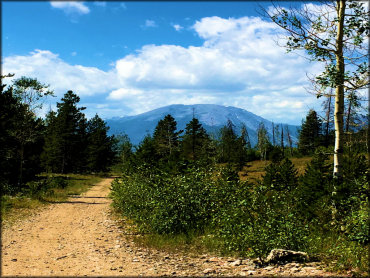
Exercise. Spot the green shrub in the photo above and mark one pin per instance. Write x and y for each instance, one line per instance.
(165, 203)
(57, 181)
(261, 220)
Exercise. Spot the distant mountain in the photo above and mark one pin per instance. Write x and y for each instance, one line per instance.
(211, 116)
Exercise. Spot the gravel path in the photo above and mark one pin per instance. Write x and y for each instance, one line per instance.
(79, 237)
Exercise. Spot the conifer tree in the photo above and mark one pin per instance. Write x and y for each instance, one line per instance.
(281, 175)
(166, 137)
(242, 148)
(310, 133)
(146, 152)
(228, 143)
(100, 153)
(67, 134)
(195, 140)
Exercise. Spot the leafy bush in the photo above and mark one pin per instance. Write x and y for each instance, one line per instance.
(357, 222)
(258, 219)
(165, 203)
(57, 181)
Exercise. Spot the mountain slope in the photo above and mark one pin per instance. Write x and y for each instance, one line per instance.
(212, 117)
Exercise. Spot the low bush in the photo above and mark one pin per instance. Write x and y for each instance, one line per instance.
(165, 203)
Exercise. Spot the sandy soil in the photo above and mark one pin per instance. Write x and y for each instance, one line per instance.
(79, 237)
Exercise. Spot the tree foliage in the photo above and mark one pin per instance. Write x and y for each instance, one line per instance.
(336, 34)
(310, 135)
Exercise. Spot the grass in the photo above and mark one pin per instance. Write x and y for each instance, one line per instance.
(27, 203)
(254, 170)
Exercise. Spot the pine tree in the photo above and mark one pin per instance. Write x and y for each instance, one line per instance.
(281, 175)
(195, 140)
(146, 152)
(242, 148)
(166, 137)
(315, 183)
(66, 143)
(228, 143)
(310, 133)
(100, 153)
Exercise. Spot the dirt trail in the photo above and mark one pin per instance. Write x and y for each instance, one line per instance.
(79, 238)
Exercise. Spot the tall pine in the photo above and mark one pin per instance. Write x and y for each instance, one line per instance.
(310, 133)
(100, 153)
(66, 140)
(194, 141)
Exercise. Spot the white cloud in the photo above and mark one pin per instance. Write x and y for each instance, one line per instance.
(71, 7)
(150, 23)
(239, 64)
(49, 68)
(177, 27)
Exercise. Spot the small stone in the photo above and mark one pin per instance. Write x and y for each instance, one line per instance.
(20, 229)
(251, 272)
(135, 260)
(14, 260)
(268, 268)
(285, 256)
(309, 268)
(236, 263)
(294, 269)
(208, 270)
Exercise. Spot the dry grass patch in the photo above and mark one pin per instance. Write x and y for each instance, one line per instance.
(254, 170)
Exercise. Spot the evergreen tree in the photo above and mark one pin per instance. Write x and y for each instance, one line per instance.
(315, 184)
(310, 133)
(146, 152)
(194, 141)
(166, 137)
(228, 143)
(243, 148)
(100, 153)
(281, 175)
(52, 154)
(67, 134)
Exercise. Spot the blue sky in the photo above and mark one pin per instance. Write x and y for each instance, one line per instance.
(125, 58)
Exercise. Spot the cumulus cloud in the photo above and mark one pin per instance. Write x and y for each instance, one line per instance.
(49, 68)
(71, 7)
(239, 64)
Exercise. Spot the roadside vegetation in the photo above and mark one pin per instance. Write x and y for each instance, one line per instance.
(187, 190)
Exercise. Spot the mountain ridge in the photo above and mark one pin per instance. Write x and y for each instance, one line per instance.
(211, 116)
